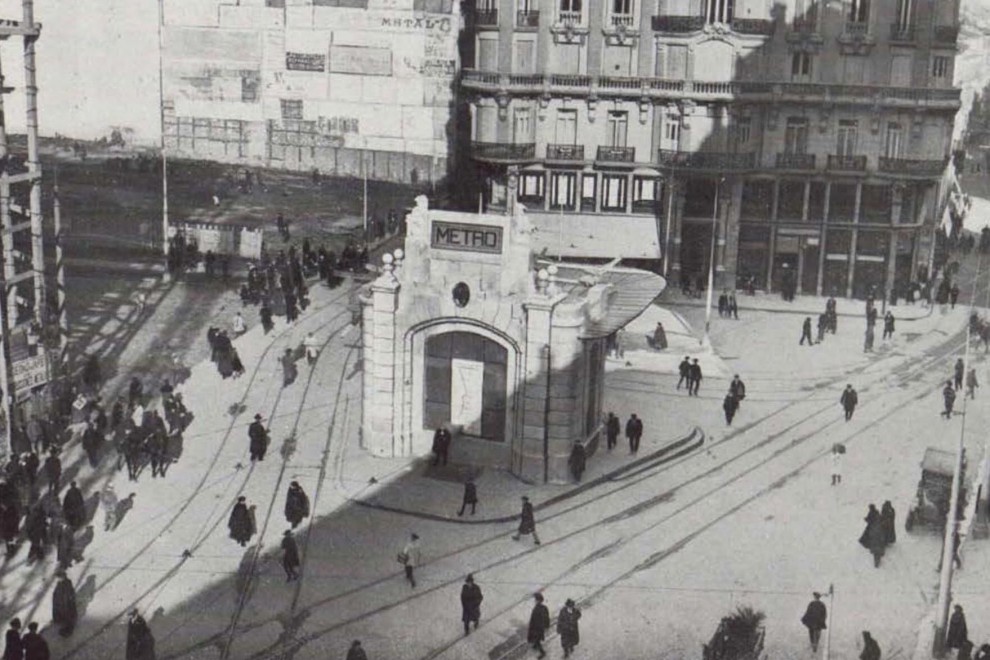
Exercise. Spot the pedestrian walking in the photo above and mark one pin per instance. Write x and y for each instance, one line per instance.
(140, 641)
(289, 371)
(868, 338)
(567, 627)
(577, 461)
(659, 339)
(684, 369)
(953, 294)
(36, 528)
(109, 502)
(238, 325)
(733, 306)
(948, 398)
(612, 428)
(258, 435)
(634, 431)
(871, 650)
(730, 405)
(53, 470)
(13, 645)
(64, 610)
(873, 537)
(411, 557)
(957, 633)
(888, 325)
(441, 445)
(239, 522)
(31, 464)
(849, 401)
(806, 332)
(738, 389)
(290, 556)
(822, 327)
(527, 522)
(814, 620)
(887, 518)
(957, 374)
(837, 464)
(265, 312)
(74, 507)
(65, 549)
(296, 504)
(10, 525)
(356, 652)
(470, 496)
(539, 623)
(694, 381)
(471, 598)
(35, 646)
(971, 384)
(312, 347)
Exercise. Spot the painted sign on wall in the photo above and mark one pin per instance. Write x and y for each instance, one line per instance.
(361, 60)
(305, 62)
(466, 237)
(30, 372)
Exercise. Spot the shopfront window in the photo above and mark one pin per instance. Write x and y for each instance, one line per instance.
(465, 384)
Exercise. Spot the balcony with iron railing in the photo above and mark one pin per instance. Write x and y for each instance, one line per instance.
(622, 20)
(762, 26)
(616, 154)
(787, 161)
(528, 18)
(677, 24)
(805, 25)
(946, 34)
(663, 89)
(846, 163)
(912, 166)
(569, 17)
(706, 160)
(486, 17)
(501, 152)
(565, 152)
(856, 29)
(901, 33)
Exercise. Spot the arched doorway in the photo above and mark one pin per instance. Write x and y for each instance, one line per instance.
(464, 384)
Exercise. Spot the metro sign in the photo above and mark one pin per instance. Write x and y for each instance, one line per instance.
(466, 237)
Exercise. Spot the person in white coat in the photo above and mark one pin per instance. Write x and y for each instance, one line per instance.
(312, 347)
(836, 465)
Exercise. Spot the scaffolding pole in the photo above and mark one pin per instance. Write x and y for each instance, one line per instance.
(63, 319)
(161, 115)
(34, 162)
(6, 254)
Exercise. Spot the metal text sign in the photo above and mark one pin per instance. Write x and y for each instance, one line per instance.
(466, 237)
(30, 372)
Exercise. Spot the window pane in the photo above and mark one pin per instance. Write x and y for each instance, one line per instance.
(437, 383)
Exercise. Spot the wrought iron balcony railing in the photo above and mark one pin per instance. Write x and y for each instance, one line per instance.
(857, 29)
(912, 166)
(625, 20)
(847, 163)
(706, 160)
(527, 19)
(486, 16)
(499, 151)
(565, 152)
(796, 161)
(616, 154)
(678, 24)
(569, 17)
(753, 26)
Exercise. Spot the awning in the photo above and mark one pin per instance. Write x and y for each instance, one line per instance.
(635, 290)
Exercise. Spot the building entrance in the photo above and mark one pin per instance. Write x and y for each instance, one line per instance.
(696, 245)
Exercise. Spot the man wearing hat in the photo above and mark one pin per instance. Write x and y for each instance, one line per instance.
(290, 558)
(259, 439)
(527, 522)
(411, 556)
(814, 620)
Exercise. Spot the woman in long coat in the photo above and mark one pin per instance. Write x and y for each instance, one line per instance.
(539, 623)
(289, 371)
(10, 525)
(471, 598)
(873, 538)
(887, 522)
(296, 504)
(567, 627)
(958, 633)
(239, 523)
(64, 612)
(140, 643)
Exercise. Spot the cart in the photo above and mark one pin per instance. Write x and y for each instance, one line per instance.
(733, 641)
(934, 491)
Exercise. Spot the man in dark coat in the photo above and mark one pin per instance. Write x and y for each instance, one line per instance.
(949, 399)
(871, 650)
(806, 332)
(957, 374)
(470, 496)
(65, 546)
(738, 389)
(259, 439)
(634, 431)
(577, 461)
(822, 326)
(567, 627)
(64, 612)
(140, 642)
(239, 522)
(13, 647)
(887, 522)
(356, 652)
(296, 504)
(684, 369)
(873, 538)
(35, 646)
(539, 623)
(441, 445)
(53, 470)
(290, 556)
(10, 525)
(266, 316)
(74, 507)
(730, 404)
(527, 522)
(612, 428)
(694, 378)
(471, 598)
(957, 634)
(289, 370)
(849, 400)
(36, 528)
(814, 620)
(135, 392)
(888, 325)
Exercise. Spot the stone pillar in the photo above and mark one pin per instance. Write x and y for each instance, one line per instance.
(567, 382)
(381, 358)
(528, 459)
(680, 199)
(731, 247)
(891, 264)
(820, 284)
(851, 270)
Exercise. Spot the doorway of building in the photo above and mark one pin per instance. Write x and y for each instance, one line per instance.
(696, 245)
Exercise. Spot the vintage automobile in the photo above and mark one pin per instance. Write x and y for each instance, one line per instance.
(934, 491)
(739, 637)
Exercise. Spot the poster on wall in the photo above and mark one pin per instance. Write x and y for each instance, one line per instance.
(466, 381)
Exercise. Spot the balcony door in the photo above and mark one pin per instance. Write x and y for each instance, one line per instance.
(566, 128)
(522, 126)
(616, 129)
(525, 56)
(487, 54)
(846, 138)
(893, 141)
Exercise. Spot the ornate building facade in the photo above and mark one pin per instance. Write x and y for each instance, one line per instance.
(800, 133)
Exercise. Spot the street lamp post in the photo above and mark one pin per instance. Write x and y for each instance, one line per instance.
(711, 263)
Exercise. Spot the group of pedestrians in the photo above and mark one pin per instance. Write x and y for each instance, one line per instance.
(880, 531)
(690, 375)
(727, 306)
(733, 399)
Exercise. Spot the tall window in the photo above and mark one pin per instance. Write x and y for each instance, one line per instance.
(846, 138)
(805, 12)
(859, 11)
(563, 190)
(614, 192)
(796, 135)
(522, 126)
(892, 143)
(801, 66)
(622, 8)
(903, 16)
(588, 186)
(645, 195)
(741, 132)
(570, 6)
(940, 66)
(616, 127)
(531, 187)
(719, 11)
(566, 129)
(672, 133)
